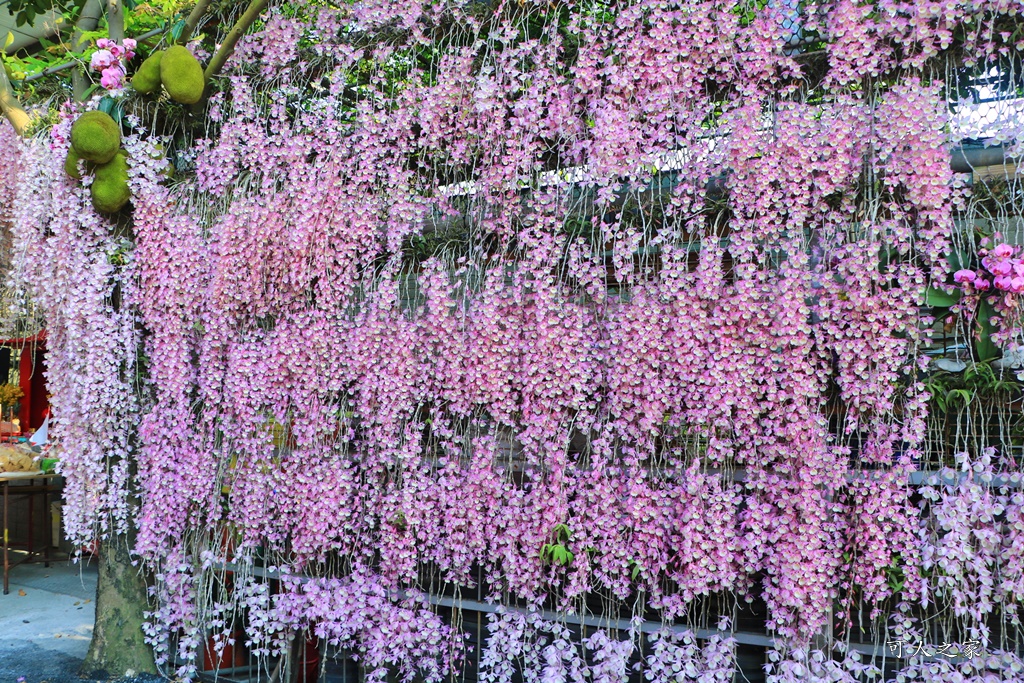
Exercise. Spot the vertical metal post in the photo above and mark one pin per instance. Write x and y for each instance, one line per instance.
(31, 520)
(48, 517)
(7, 564)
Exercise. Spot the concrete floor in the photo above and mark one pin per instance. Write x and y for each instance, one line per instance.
(46, 622)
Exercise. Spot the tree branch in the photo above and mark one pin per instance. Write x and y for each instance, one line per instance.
(192, 21)
(88, 20)
(69, 65)
(115, 20)
(11, 107)
(245, 21)
(92, 10)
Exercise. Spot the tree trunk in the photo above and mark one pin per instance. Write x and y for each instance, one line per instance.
(89, 18)
(118, 648)
(115, 20)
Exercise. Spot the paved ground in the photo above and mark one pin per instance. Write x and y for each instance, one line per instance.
(46, 622)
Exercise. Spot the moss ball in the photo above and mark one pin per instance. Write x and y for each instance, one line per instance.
(95, 137)
(182, 75)
(147, 79)
(71, 164)
(109, 187)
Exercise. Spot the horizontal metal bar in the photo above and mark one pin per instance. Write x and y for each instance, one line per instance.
(966, 159)
(73, 63)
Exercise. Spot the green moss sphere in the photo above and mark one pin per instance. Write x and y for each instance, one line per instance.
(109, 187)
(182, 75)
(71, 164)
(95, 137)
(147, 79)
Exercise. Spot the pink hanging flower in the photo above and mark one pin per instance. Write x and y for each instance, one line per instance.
(451, 393)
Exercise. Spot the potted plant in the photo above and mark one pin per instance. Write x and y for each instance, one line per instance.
(10, 396)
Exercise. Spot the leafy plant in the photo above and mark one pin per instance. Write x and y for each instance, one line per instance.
(894, 574)
(951, 389)
(557, 552)
(10, 394)
(26, 11)
(635, 570)
(983, 379)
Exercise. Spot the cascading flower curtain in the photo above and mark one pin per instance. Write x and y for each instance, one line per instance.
(607, 310)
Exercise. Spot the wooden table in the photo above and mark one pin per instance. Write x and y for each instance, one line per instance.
(29, 492)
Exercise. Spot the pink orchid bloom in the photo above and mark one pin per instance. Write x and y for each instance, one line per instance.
(102, 59)
(112, 78)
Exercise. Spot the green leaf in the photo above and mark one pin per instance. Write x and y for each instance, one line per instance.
(9, 40)
(886, 257)
(962, 395)
(176, 30)
(980, 376)
(111, 106)
(970, 373)
(986, 348)
(958, 260)
(937, 298)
